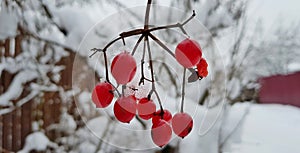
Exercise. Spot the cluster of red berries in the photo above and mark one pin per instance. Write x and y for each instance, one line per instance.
(125, 109)
(123, 68)
(189, 54)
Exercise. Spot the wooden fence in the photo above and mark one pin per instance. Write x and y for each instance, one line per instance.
(16, 125)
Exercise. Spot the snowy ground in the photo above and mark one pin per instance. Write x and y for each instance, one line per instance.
(265, 129)
(248, 128)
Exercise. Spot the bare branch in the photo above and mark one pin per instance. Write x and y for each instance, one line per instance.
(146, 32)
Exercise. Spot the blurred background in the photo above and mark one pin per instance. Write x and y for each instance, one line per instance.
(249, 103)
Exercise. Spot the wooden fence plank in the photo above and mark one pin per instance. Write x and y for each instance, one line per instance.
(16, 130)
(7, 132)
(18, 45)
(6, 79)
(7, 48)
(16, 115)
(26, 120)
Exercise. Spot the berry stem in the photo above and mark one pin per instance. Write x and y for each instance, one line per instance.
(123, 90)
(107, 73)
(160, 103)
(141, 121)
(142, 65)
(183, 90)
(162, 45)
(152, 75)
(116, 89)
(106, 66)
(137, 45)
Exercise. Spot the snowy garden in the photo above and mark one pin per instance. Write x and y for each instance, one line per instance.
(149, 76)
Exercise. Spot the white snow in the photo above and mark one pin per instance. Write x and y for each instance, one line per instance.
(9, 27)
(66, 124)
(234, 88)
(35, 141)
(16, 87)
(265, 129)
(86, 147)
(86, 107)
(294, 67)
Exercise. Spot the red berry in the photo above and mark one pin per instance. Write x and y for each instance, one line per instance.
(161, 133)
(167, 116)
(188, 53)
(102, 95)
(182, 124)
(123, 68)
(125, 109)
(146, 108)
(202, 68)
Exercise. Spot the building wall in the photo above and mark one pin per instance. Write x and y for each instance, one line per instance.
(281, 89)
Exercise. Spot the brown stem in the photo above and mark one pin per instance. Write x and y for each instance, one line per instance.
(183, 90)
(137, 45)
(152, 76)
(177, 25)
(123, 90)
(106, 66)
(141, 121)
(160, 103)
(147, 15)
(142, 65)
(161, 44)
(116, 89)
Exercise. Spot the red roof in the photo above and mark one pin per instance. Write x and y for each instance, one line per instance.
(282, 89)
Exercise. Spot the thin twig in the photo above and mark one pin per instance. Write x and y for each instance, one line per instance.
(141, 121)
(123, 90)
(95, 50)
(177, 25)
(106, 66)
(137, 45)
(159, 101)
(116, 89)
(152, 76)
(142, 65)
(162, 45)
(183, 90)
